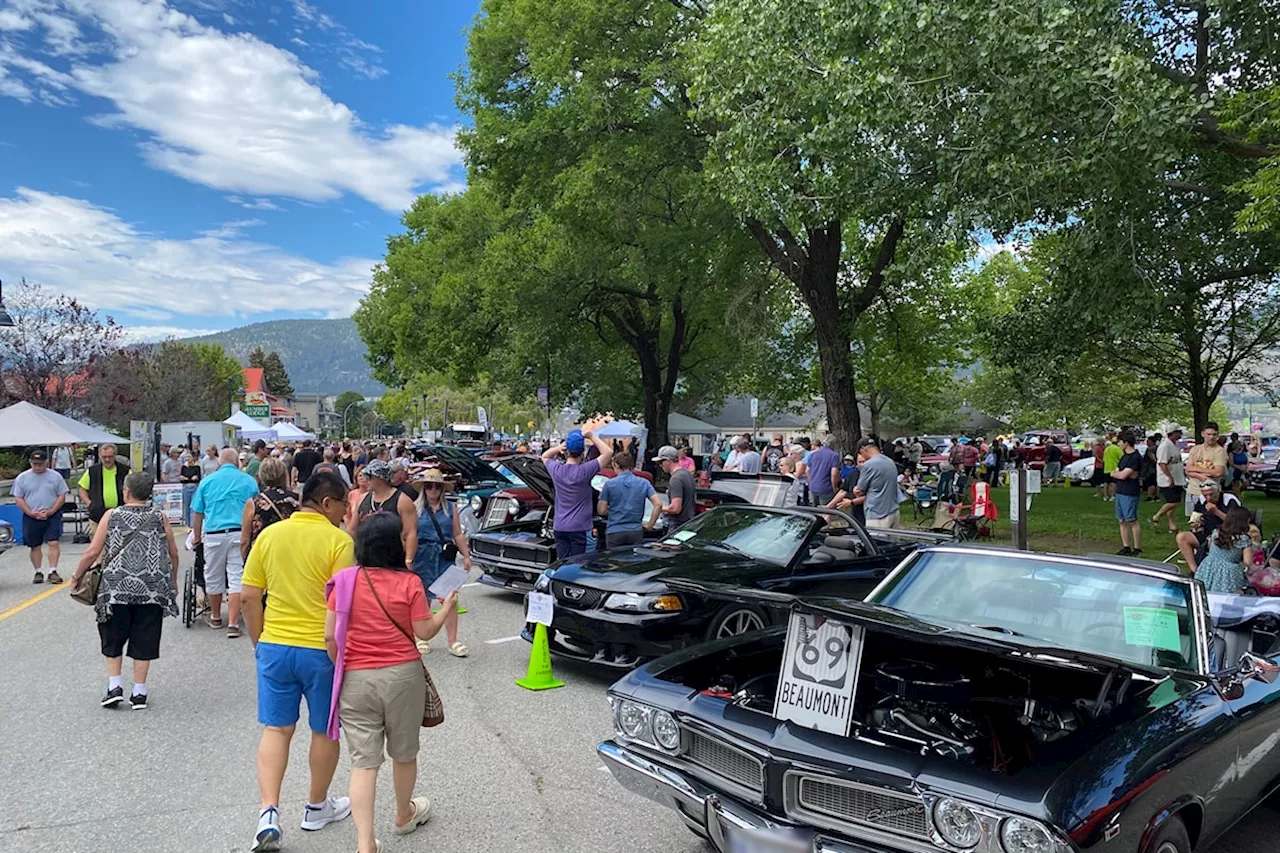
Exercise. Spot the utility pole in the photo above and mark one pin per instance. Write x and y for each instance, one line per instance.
(1020, 508)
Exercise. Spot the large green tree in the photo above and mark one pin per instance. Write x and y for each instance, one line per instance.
(854, 135)
(273, 371)
(171, 381)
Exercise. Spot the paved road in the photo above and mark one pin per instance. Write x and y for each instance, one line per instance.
(510, 770)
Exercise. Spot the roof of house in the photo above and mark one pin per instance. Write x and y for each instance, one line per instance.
(255, 379)
(736, 412)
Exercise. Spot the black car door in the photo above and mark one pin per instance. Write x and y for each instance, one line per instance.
(838, 560)
(1256, 707)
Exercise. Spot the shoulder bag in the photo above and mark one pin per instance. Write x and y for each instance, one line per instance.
(448, 551)
(87, 591)
(433, 708)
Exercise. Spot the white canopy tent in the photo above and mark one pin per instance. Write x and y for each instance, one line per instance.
(249, 429)
(24, 424)
(625, 430)
(286, 431)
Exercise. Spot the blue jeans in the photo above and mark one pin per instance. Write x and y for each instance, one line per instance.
(570, 543)
(188, 492)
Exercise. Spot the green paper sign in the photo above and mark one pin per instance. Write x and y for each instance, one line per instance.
(1152, 627)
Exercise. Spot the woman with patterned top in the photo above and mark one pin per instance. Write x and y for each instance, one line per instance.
(138, 588)
(275, 502)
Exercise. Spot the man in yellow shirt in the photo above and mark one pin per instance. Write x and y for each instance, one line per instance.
(291, 561)
(1110, 462)
(1207, 462)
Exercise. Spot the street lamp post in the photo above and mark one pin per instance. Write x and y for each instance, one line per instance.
(344, 415)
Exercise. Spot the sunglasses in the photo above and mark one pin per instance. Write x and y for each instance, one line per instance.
(435, 485)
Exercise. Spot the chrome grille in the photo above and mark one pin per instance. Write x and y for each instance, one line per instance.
(515, 551)
(576, 597)
(498, 511)
(726, 762)
(845, 801)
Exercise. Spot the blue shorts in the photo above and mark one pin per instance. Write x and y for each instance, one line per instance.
(1127, 507)
(38, 531)
(285, 675)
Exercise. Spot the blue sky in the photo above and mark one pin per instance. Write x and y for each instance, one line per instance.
(196, 165)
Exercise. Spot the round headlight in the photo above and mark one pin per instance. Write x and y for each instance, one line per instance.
(633, 720)
(6, 533)
(665, 731)
(477, 504)
(1019, 835)
(956, 823)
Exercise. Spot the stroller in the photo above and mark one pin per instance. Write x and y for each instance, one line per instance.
(193, 604)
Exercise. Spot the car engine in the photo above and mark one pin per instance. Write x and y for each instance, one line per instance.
(990, 719)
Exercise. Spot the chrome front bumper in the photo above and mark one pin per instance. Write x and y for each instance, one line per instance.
(730, 826)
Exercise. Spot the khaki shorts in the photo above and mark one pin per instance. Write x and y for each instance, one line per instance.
(223, 563)
(889, 522)
(380, 706)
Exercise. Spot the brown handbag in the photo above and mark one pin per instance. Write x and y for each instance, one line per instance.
(433, 708)
(91, 582)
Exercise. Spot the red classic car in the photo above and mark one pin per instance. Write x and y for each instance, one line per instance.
(1035, 444)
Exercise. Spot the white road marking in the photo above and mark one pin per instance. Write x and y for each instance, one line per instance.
(502, 640)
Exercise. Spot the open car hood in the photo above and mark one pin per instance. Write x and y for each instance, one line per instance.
(533, 471)
(889, 621)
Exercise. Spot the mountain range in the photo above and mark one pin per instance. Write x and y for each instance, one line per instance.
(325, 356)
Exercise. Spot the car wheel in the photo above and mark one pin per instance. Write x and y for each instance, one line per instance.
(1172, 838)
(736, 619)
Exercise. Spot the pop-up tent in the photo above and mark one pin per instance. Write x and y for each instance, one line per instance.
(27, 425)
(625, 430)
(286, 431)
(249, 429)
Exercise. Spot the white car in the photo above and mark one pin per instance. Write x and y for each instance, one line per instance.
(1079, 473)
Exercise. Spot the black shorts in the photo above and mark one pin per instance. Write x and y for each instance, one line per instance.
(138, 625)
(1171, 494)
(1098, 478)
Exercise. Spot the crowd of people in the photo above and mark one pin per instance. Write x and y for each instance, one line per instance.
(325, 556)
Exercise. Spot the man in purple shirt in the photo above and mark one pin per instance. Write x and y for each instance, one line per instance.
(573, 496)
(824, 475)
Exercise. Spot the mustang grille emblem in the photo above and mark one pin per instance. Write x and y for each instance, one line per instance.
(574, 593)
(880, 815)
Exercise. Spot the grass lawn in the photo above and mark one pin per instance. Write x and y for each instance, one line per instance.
(1071, 520)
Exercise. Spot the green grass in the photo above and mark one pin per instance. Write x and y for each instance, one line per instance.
(1071, 520)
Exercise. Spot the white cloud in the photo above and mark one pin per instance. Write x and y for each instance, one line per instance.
(254, 203)
(152, 334)
(231, 22)
(233, 228)
(230, 111)
(11, 20)
(91, 253)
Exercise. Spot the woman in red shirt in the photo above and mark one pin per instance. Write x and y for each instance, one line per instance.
(383, 691)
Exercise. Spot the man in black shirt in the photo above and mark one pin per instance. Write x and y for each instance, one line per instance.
(1128, 479)
(304, 462)
(1052, 462)
(1206, 514)
(849, 500)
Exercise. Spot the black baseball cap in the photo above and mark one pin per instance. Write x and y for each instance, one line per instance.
(38, 456)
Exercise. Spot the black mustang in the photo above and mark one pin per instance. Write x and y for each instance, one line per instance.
(979, 700)
(619, 608)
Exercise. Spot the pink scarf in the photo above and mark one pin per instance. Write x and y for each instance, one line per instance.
(342, 587)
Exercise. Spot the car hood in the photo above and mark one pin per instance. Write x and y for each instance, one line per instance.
(640, 569)
(534, 472)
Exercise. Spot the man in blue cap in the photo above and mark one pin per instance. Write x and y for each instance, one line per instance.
(571, 513)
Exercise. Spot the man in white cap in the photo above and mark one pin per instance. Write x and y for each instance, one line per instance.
(681, 490)
(1170, 478)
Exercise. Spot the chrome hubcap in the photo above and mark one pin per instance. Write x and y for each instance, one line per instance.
(744, 621)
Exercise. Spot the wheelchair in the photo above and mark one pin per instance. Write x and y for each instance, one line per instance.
(193, 604)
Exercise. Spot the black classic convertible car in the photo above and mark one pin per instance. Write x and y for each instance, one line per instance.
(620, 607)
(513, 555)
(979, 700)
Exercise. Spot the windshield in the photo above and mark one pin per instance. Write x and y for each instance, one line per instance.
(767, 536)
(760, 490)
(1130, 617)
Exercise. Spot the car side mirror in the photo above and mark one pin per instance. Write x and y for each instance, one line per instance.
(1258, 668)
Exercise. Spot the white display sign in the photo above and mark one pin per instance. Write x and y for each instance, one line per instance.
(1033, 481)
(819, 673)
(541, 608)
(755, 407)
(453, 578)
(1014, 504)
(484, 417)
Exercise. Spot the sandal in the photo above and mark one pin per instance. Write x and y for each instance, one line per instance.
(213, 623)
(421, 814)
(424, 648)
(458, 650)
(233, 632)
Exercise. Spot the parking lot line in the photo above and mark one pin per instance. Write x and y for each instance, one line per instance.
(43, 594)
(502, 640)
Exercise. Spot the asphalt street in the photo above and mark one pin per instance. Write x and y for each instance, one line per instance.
(510, 770)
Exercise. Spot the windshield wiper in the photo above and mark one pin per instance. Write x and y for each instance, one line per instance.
(732, 549)
(1000, 629)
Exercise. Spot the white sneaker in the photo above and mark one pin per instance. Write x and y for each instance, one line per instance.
(268, 837)
(333, 810)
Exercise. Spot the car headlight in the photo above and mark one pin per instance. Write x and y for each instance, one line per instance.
(629, 602)
(957, 823)
(633, 720)
(1020, 835)
(477, 504)
(667, 733)
(6, 534)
